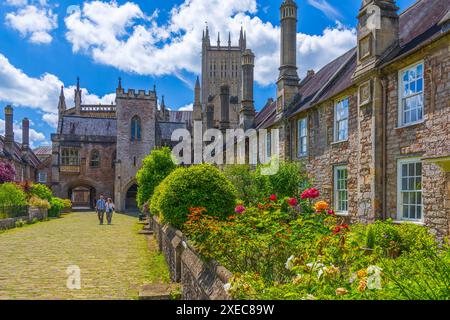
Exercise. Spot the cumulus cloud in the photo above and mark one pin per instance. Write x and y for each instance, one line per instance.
(36, 138)
(125, 37)
(33, 23)
(41, 93)
(188, 107)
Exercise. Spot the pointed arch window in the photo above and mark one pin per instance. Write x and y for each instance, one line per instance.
(95, 159)
(136, 129)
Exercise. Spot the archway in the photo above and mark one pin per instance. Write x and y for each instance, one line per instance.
(82, 197)
(130, 199)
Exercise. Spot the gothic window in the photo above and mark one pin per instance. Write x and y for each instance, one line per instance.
(70, 157)
(341, 120)
(95, 159)
(135, 129)
(411, 95)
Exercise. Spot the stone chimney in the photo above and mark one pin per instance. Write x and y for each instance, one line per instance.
(25, 134)
(9, 129)
(377, 32)
(224, 107)
(247, 112)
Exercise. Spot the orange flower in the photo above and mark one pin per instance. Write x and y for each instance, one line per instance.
(321, 206)
(362, 285)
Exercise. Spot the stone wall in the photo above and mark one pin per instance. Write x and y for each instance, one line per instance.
(40, 214)
(200, 280)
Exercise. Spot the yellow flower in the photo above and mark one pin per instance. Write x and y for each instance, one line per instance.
(341, 291)
(321, 206)
(297, 279)
(361, 273)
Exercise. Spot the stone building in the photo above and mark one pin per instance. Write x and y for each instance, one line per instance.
(223, 66)
(98, 149)
(44, 169)
(20, 155)
(373, 125)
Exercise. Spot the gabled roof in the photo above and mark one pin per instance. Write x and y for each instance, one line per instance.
(17, 155)
(43, 151)
(181, 116)
(89, 126)
(266, 117)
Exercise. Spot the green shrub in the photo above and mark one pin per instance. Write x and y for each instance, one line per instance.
(155, 168)
(39, 203)
(41, 191)
(12, 195)
(56, 206)
(20, 223)
(67, 204)
(252, 186)
(197, 186)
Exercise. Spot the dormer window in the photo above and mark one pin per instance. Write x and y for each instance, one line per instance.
(365, 47)
(411, 95)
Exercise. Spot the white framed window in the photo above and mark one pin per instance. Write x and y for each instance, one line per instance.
(302, 137)
(411, 94)
(42, 177)
(341, 189)
(341, 120)
(409, 190)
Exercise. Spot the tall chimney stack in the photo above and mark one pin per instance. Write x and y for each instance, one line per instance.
(9, 130)
(25, 134)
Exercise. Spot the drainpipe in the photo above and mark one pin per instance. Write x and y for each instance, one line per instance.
(384, 86)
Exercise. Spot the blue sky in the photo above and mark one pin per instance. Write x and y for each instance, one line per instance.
(45, 44)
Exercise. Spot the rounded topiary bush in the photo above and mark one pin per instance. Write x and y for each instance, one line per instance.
(197, 186)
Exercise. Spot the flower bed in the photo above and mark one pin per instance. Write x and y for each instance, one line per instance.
(297, 248)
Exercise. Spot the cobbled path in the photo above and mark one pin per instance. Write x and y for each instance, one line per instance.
(114, 260)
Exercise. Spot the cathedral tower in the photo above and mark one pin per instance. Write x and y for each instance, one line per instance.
(287, 84)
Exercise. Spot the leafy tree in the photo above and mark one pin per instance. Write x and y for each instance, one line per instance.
(7, 172)
(155, 168)
(12, 195)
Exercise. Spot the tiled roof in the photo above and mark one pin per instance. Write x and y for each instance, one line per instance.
(29, 158)
(181, 116)
(43, 150)
(89, 126)
(266, 117)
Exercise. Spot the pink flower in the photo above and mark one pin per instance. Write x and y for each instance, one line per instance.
(273, 197)
(293, 202)
(239, 209)
(331, 212)
(310, 194)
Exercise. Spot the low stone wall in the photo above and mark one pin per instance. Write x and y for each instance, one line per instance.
(39, 214)
(201, 280)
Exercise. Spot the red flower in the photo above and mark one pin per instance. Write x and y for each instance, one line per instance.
(340, 228)
(293, 202)
(239, 209)
(331, 212)
(273, 197)
(310, 193)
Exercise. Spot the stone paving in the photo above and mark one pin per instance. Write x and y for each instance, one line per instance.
(114, 260)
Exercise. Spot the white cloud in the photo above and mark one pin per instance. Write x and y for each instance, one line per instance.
(188, 107)
(17, 3)
(327, 9)
(36, 138)
(41, 93)
(124, 37)
(34, 23)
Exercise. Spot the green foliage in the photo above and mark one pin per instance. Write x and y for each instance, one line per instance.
(197, 186)
(155, 168)
(286, 251)
(12, 195)
(252, 186)
(67, 204)
(20, 223)
(56, 206)
(41, 191)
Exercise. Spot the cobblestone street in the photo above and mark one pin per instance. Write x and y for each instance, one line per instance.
(114, 260)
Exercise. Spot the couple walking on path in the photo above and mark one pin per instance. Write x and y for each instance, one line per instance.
(103, 206)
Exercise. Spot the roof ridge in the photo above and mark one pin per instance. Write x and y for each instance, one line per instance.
(410, 7)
